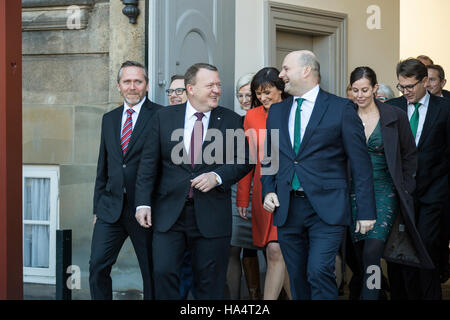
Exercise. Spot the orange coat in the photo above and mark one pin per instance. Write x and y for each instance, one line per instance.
(263, 230)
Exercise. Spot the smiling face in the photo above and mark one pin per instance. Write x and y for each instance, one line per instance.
(363, 92)
(268, 95)
(292, 75)
(434, 83)
(174, 98)
(205, 93)
(132, 85)
(244, 96)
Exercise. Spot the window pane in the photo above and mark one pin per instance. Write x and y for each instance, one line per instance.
(37, 199)
(36, 246)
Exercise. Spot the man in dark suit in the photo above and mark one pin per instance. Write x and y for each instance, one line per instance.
(191, 204)
(318, 134)
(429, 118)
(124, 131)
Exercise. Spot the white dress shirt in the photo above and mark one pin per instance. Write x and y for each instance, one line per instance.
(134, 116)
(189, 121)
(422, 114)
(306, 111)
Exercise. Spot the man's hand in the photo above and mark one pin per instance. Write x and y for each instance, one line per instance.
(144, 217)
(204, 182)
(271, 202)
(364, 226)
(95, 219)
(242, 212)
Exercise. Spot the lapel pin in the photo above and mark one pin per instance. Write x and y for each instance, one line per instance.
(218, 118)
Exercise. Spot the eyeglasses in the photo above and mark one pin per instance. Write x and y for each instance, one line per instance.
(244, 96)
(178, 91)
(408, 88)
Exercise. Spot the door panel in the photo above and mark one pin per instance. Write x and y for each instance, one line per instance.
(188, 32)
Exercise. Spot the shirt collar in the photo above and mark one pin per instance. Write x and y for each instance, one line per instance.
(424, 101)
(136, 108)
(311, 95)
(190, 111)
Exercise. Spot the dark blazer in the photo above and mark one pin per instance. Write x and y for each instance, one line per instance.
(334, 134)
(433, 150)
(406, 246)
(116, 172)
(446, 93)
(169, 182)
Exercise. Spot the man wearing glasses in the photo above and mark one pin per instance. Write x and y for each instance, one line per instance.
(177, 90)
(429, 118)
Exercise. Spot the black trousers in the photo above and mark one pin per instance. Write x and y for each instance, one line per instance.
(415, 283)
(107, 240)
(209, 257)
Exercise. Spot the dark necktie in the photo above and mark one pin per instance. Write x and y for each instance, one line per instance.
(196, 143)
(297, 138)
(126, 131)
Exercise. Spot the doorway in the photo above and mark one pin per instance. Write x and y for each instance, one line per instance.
(291, 28)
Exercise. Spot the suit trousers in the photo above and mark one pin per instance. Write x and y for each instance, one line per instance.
(209, 257)
(414, 283)
(309, 247)
(107, 240)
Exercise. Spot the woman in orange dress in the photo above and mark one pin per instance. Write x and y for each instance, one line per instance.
(266, 89)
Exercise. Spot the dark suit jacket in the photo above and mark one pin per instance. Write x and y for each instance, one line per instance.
(434, 150)
(116, 172)
(334, 134)
(401, 157)
(169, 182)
(446, 93)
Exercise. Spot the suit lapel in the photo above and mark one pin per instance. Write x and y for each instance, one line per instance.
(320, 107)
(144, 116)
(430, 119)
(389, 133)
(285, 113)
(117, 129)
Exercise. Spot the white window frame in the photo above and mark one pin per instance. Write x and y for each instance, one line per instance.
(43, 275)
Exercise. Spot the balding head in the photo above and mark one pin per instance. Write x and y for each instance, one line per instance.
(300, 72)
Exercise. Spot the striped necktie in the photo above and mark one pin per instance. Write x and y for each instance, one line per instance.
(126, 131)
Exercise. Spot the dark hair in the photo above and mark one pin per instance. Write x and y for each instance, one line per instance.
(424, 57)
(191, 72)
(130, 63)
(176, 77)
(412, 68)
(363, 72)
(266, 77)
(439, 69)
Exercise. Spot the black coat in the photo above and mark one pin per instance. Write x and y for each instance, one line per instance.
(164, 185)
(116, 172)
(404, 244)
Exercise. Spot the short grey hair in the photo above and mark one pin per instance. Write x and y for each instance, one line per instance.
(130, 63)
(244, 80)
(386, 91)
(308, 59)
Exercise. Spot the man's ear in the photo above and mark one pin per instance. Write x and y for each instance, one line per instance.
(118, 87)
(443, 82)
(190, 89)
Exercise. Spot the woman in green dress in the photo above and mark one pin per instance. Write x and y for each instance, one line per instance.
(369, 247)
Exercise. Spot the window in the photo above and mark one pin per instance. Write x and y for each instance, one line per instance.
(40, 220)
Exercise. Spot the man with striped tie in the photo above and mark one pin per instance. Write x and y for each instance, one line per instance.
(124, 131)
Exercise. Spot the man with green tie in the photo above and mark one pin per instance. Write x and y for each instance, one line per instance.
(429, 117)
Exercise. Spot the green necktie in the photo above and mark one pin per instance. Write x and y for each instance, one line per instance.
(414, 121)
(297, 138)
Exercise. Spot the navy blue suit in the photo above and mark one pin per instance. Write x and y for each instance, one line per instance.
(310, 228)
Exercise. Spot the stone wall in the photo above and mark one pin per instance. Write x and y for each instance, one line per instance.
(69, 82)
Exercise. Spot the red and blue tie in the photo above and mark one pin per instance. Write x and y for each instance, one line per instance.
(126, 131)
